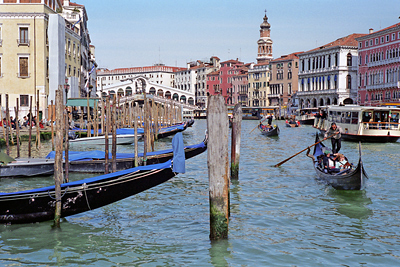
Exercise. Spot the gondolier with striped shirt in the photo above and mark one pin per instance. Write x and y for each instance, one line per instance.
(336, 139)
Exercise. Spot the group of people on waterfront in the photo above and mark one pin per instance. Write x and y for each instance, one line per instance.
(13, 123)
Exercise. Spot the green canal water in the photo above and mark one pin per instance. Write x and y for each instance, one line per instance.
(279, 216)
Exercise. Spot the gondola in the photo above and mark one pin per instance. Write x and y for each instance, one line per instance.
(38, 205)
(90, 161)
(350, 179)
(274, 131)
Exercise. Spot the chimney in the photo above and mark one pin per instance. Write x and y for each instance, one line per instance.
(371, 30)
(66, 3)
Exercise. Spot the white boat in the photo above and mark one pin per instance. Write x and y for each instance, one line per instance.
(363, 123)
(306, 116)
(122, 139)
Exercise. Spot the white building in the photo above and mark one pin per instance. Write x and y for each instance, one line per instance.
(328, 74)
(158, 74)
(132, 85)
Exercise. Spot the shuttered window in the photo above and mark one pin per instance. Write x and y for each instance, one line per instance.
(23, 67)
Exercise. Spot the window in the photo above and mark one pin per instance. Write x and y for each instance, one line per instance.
(387, 38)
(366, 43)
(23, 67)
(349, 58)
(382, 40)
(376, 41)
(1, 75)
(24, 100)
(1, 40)
(393, 36)
(23, 36)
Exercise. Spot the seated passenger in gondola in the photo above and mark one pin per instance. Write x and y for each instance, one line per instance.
(342, 162)
(329, 163)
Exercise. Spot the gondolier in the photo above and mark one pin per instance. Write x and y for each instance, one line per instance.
(336, 139)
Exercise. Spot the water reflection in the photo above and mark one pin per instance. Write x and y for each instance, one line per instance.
(220, 251)
(351, 203)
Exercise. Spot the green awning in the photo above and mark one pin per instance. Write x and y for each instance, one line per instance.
(81, 102)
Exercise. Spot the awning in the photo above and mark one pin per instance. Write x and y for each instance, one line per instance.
(81, 102)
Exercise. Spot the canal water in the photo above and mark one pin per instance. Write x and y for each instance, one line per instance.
(279, 216)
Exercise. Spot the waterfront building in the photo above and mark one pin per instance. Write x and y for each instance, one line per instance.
(240, 87)
(76, 19)
(284, 80)
(203, 70)
(328, 74)
(40, 51)
(379, 67)
(258, 80)
(158, 74)
(185, 79)
(228, 69)
(264, 54)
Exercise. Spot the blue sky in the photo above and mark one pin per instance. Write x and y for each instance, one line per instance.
(132, 33)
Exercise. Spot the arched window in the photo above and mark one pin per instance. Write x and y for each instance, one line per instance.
(348, 78)
(349, 59)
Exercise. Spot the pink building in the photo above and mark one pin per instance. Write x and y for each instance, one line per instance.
(379, 67)
(227, 71)
(213, 83)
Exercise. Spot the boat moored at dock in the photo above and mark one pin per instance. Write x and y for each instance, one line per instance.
(363, 123)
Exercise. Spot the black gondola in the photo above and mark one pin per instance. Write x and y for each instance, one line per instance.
(273, 131)
(350, 179)
(38, 205)
(90, 161)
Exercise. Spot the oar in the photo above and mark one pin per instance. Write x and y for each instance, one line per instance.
(257, 125)
(280, 163)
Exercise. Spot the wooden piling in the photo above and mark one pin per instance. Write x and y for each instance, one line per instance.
(135, 114)
(16, 109)
(51, 124)
(58, 166)
(66, 143)
(37, 122)
(236, 138)
(218, 165)
(145, 136)
(106, 131)
(114, 136)
(30, 129)
(7, 126)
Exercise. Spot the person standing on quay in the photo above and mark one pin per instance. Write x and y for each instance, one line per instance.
(336, 131)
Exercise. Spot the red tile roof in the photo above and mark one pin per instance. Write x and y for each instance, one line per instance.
(349, 40)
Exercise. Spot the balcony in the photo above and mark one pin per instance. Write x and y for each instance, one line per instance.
(383, 62)
(383, 86)
(23, 42)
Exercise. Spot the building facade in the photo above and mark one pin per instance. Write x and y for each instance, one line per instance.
(203, 70)
(158, 74)
(379, 67)
(46, 55)
(228, 69)
(240, 86)
(284, 80)
(258, 79)
(328, 74)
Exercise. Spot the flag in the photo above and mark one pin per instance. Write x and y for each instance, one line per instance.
(73, 26)
(90, 72)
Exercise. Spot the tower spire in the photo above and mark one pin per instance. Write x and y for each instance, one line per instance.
(264, 43)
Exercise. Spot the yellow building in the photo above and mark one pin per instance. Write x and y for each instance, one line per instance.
(39, 49)
(258, 78)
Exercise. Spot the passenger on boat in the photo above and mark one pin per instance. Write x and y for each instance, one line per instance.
(342, 162)
(328, 162)
(336, 139)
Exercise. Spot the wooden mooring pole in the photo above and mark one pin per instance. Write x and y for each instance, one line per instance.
(236, 137)
(218, 165)
(8, 124)
(58, 166)
(16, 110)
(106, 131)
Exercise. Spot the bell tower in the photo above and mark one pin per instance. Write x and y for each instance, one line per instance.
(264, 54)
